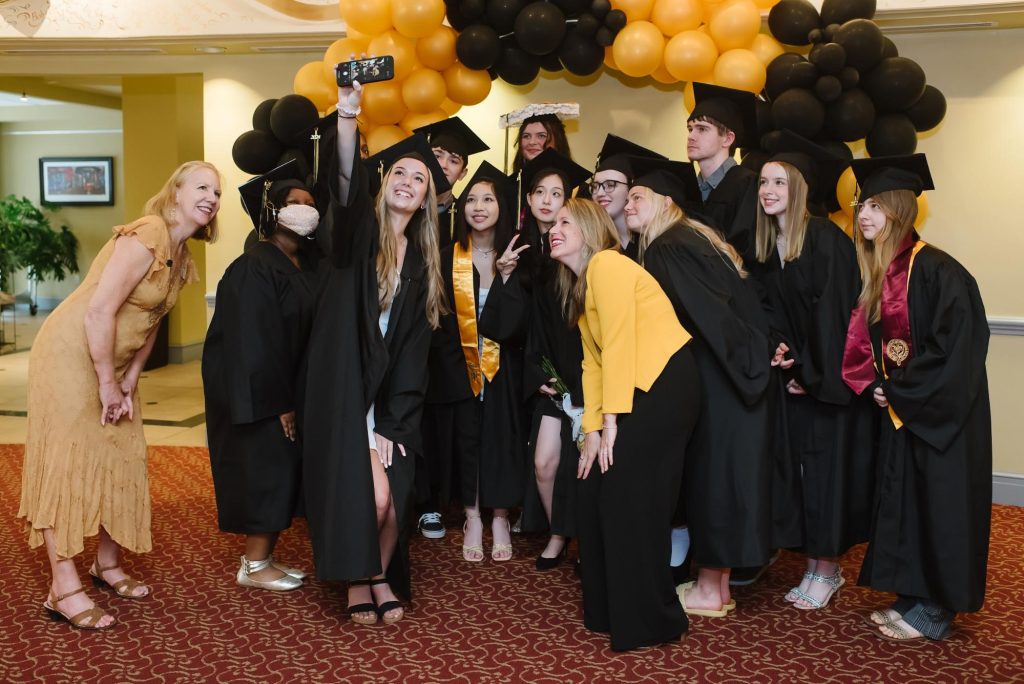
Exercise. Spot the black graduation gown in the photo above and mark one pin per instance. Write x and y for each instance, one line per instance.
(732, 209)
(351, 366)
(933, 503)
(551, 336)
(728, 481)
(831, 431)
(252, 359)
(484, 437)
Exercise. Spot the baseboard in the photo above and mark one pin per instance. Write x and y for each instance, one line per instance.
(185, 353)
(1008, 488)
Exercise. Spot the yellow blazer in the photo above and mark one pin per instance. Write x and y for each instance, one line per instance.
(629, 331)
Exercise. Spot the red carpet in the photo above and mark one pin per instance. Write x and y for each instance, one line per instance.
(484, 622)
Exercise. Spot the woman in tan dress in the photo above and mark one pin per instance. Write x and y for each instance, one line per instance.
(85, 453)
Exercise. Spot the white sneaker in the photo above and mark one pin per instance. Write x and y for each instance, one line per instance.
(430, 526)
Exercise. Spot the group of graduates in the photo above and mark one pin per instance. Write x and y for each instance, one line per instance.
(677, 369)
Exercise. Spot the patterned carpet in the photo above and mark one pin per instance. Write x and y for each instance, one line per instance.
(484, 622)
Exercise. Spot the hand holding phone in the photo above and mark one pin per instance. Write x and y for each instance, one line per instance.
(365, 71)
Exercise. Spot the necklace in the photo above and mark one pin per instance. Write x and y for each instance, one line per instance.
(484, 251)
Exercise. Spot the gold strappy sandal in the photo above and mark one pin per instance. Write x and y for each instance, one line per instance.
(124, 588)
(87, 619)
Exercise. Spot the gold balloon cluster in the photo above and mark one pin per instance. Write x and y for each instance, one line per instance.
(429, 85)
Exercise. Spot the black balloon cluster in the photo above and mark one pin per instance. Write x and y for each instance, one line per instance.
(280, 132)
(852, 84)
(515, 39)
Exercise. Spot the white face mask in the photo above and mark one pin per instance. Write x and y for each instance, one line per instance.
(301, 219)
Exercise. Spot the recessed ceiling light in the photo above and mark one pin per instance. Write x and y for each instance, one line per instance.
(24, 97)
(209, 49)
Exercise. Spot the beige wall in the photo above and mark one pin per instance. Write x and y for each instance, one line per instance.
(974, 211)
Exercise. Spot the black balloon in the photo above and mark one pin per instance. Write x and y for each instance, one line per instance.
(800, 111)
(540, 27)
(829, 32)
(770, 141)
(517, 67)
(604, 36)
(830, 58)
(842, 11)
(478, 47)
(256, 152)
(765, 121)
(895, 84)
(600, 8)
(571, 8)
(550, 62)
(299, 158)
(892, 134)
(850, 116)
(615, 20)
(815, 36)
(501, 14)
(291, 117)
(790, 21)
(929, 110)
(828, 88)
(456, 18)
(587, 25)
(778, 73)
(580, 55)
(472, 9)
(889, 48)
(261, 116)
(803, 74)
(849, 77)
(863, 42)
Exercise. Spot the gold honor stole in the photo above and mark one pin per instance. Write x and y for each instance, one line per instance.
(465, 313)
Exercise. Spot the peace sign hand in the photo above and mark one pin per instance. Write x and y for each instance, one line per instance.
(508, 261)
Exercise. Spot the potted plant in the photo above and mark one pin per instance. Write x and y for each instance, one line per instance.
(28, 241)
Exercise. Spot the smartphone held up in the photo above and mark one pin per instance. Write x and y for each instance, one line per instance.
(366, 71)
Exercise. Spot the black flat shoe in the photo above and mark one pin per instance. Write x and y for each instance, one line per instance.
(544, 563)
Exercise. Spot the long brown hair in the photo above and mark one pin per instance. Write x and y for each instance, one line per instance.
(598, 234)
(668, 214)
(425, 236)
(164, 202)
(797, 218)
(874, 256)
(557, 139)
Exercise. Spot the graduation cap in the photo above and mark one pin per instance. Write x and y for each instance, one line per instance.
(734, 109)
(489, 172)
(615, 154)
(673, 179)
(879, 174)
(553, 160)
(819, 167)
(261, 196)
(453, 136)
(413, 147)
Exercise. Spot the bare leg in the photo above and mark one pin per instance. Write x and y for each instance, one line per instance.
(473, 533)
(707, 593)
(387, 536)
(257, 548)
(546, 456)
(108, 555)
(502, 535)
(65, 580)
(819, 591)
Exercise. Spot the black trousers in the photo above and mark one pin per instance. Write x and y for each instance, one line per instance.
(625, 515)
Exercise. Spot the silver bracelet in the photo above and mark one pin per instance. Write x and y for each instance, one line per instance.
(346, 113)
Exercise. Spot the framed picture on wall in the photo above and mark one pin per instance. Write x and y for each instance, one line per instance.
(76, 180)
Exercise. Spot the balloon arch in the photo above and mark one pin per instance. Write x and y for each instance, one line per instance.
(829, 75)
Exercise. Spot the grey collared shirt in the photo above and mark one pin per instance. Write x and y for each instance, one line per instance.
(711, 182)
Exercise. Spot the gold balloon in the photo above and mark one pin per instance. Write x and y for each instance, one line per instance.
(309, 81)
(846, 191)
(735, 25)
(843, 220)
(450, 107)
(417, 18)
(662, 75)
(636, 10)
(690, 54)
(341, 50)
(766, 48)
(413, 121)
(922, 210)
(437, 51)
(740, 69)
(675, 16)
(609, 58)
(467, 86)
(766, 4)
(367, 16)
(383, 137)
(398, 46)
(382, 102)
(357, 36)
(424, 91)
(639, 48)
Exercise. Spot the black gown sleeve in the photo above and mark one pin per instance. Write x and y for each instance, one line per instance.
(257, 364)
(935, 392)
(349, 232)
(505, 315)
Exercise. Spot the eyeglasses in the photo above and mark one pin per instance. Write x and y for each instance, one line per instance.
(607, 186)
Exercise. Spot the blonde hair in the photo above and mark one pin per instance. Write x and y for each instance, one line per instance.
(874, 256)
(425, 236)
(797, 218)
(598, 234)
(164, 203)
(668, 214)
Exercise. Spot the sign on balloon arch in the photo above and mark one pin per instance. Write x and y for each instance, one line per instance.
(831, 76)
